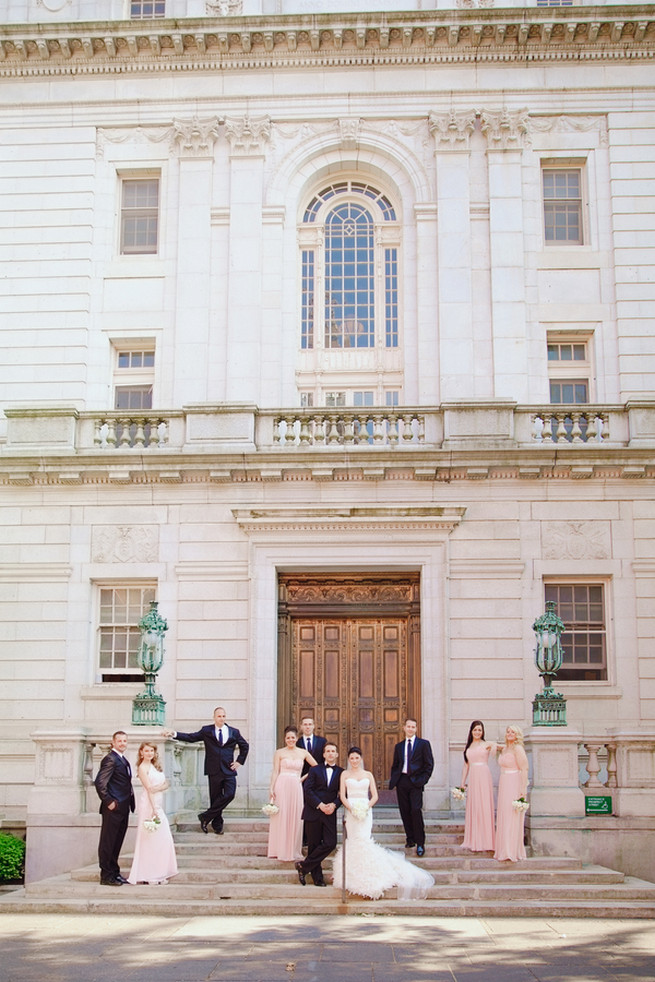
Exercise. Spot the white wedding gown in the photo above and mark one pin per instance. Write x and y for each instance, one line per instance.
(370, 868)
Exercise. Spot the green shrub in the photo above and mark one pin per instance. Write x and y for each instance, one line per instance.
(12, 858)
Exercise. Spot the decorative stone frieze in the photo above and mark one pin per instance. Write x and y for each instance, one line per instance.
(130, 134)
(575, 540)
(125, 544)
(525, 36)
(194, 137)
(247, 136)
(572, 124)
(452, 131)
(505, 130)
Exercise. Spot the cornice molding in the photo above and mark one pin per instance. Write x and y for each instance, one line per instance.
(617, 33)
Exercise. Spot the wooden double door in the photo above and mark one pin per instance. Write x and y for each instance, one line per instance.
(349, 657)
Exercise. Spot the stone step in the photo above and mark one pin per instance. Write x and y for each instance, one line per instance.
(285, 873)
(288, 890)
(127, 901)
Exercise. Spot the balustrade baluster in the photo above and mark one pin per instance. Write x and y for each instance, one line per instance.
(290, 435)
(349, 429)
(126, 438)
(393, 430)
(407, 434)
(593, 766)
(305, 435)
(140, 433)
(592, 427)
(333, 432)
(561, 435)
(111, 433)
(319, 430)
(277, 424)
(576, 432)
(605, 431)
(378, 428)
(421, 428)
(612, 778)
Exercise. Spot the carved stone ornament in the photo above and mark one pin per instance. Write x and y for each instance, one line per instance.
(54, 5)
(125, 544)
(339, 593)
(349, 133)
(194, 137)
(131, 134)
(572, 124)
(505, 130)
(452, 131)
(575, 540)
(247, 135)
(224, 8)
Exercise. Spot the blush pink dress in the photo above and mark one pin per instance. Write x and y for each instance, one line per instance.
(509, 823)
(154, 852)
(285, 830)
(479, 835)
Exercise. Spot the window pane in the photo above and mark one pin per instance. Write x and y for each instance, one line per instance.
(349, 278)
(121, 609)
(139, 216)
(581, 607)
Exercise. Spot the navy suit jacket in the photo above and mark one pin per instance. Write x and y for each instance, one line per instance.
(217, 758)
(318, 791)
(114, 781)
(419, 766)
(318, 746)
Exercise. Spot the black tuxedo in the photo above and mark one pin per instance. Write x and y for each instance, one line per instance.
(318, 746)
(222, 779)
(409, 786)
(114, 785)
(320, 829)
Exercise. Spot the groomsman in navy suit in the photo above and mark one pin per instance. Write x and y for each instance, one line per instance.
(221, 743)
(320, 815)
(411, 770)
(114, 786)
(311, 741)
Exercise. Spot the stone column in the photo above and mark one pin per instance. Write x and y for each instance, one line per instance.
(505, 132)
(452, 133)
(245, 321)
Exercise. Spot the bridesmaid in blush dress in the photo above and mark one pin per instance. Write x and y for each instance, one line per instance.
(285, 830)
(154, 851)
(479, 835)
(512, 785)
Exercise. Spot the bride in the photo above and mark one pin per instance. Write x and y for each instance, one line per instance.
(371, 869)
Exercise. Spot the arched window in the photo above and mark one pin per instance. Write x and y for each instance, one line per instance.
(349, 254)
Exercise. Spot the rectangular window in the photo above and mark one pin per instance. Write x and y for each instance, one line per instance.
(363, 399)
(562, 191)
(335, 399)
(582, 608)
(134, 377)
(147, 9)
(139, 216)
(392, 397)
(121, 609)
(569, 369)
(307, 312)
(391, 297)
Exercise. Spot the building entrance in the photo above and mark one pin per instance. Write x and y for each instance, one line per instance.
(349, 655)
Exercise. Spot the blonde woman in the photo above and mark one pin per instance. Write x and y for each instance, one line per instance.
(513, 784)
(154, 851)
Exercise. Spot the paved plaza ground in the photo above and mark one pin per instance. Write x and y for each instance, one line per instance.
(299, 948)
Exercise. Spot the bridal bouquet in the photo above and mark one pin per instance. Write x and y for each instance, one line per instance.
(152, 824)
(458, 794)
(520, 805)
(270, 809)
(359, 809)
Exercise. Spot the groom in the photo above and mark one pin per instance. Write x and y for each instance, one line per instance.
(221, 742)
(320, 815)
(410, 771)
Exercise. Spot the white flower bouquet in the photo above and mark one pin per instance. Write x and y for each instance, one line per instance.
(458, 793)
(359, 809)
(270, 809)
(152, 824)
(520, 805)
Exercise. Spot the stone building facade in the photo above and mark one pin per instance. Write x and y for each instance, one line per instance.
(333, 333)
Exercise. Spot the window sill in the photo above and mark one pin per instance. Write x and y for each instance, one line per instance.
(588, 690)
(111, 690)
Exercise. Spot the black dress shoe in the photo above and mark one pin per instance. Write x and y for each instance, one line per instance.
(111, 883)
(122, 878)
(409, 844)
(218, 831)
(420, 850)
(204, 824)
(301, 874)
(320, 883)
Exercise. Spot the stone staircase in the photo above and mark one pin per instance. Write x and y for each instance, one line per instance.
(230, 874)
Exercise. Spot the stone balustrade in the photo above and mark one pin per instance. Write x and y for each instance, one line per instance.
(242, 427)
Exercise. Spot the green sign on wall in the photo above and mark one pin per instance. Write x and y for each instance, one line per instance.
(599, 804)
